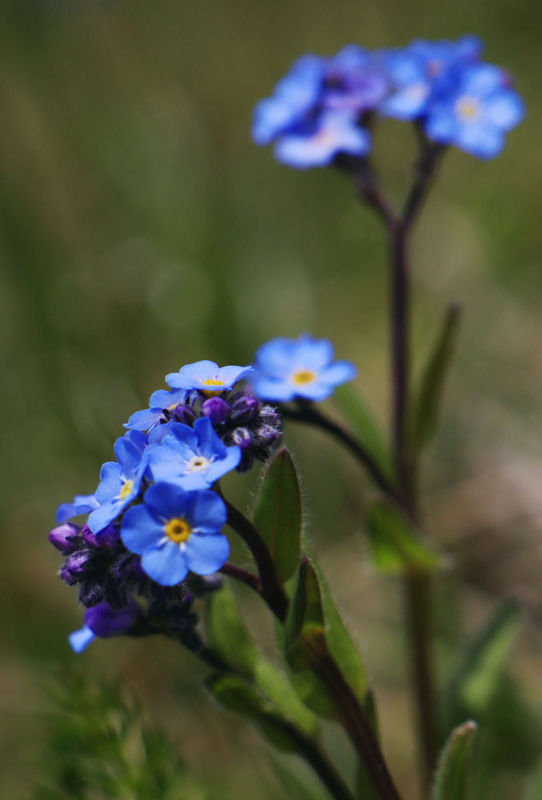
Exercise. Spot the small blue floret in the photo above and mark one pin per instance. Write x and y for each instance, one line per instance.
(175, 532)
(290, 368)
(207, 377)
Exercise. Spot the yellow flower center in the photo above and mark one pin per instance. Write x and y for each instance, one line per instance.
(213, 382)
(303, 376)
(468, 108)
(172, 407)
(178, 530)
(126, 490)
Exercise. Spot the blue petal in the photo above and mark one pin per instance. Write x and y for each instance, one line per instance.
(221, 466)
(206, 554)
(110, 482)
(338, 372)
(128, 455)
(143, 420)
(102, 516)
(191, 376)
(140, 530)
(163, 398)
(183, 438)
(159, 432)
(275, 357)
(81, 504)
(270, 389)
(166, 565)
(315, 391)
(81, 639)
(233, 373)
(206, 512)
(313, 353)
(166, 500)
(209, 442)
(481, 140)
(505, 110)
(167, 461)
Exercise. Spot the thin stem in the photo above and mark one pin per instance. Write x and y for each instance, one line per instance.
(418, 586)
(242, 575)
(308, 414)
(271, 587)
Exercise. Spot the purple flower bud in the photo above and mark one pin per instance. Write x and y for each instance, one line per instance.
(241, 437)
(269, 415)
(216, 409)
(109, 537)
(76, 563)
(63, 536)
(88, 536)
(104, 621)
(244, 408)
(184, 414)
(266, 435)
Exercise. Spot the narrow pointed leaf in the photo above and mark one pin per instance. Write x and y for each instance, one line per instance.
(452, 771)
(296, 787)
(364, 426)
(227, 633)
(395, 545)
(314, 626)
(430, 392)
(276, 686)
(278, 515)
(364, 783)
(478, 679)
(239, 696)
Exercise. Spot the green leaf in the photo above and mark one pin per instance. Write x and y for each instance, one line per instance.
(426, 408)
(313, 627)
(474, 687)
(296, 787)
(281, 693)
(227, 633)
(452, 770)
(237, 695)
(395, 545)
(340, 643)
(364, 425)
(364, 783)
(278, 515)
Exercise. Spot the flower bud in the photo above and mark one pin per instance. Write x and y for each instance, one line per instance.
(76, 564)
(243, 408)
(241, 437)
(216, 409)
(63, 537)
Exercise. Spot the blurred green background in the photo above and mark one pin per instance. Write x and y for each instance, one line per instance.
(141, 229)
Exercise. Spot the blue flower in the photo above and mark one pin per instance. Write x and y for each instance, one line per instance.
(104, 621)
(161, 405)
(177, 531)
(193, 458)
(477, 114)
(81, 504)
(206, 376)
(417, 72)
(318, 143)
(289, 368)
(294, 98)
(120, 481)
(356, 80)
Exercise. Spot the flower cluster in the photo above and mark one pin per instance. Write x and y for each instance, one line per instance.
(153, 536)
(321, 111)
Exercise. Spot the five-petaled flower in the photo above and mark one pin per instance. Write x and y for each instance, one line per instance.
(193, 458)
(206, 376)
(176, 531)
(120, 480)
(290, 368)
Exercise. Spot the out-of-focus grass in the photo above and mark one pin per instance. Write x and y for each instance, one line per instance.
(140, 229)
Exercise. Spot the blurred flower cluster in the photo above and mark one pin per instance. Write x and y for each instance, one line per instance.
(154, 526)
(323, 110)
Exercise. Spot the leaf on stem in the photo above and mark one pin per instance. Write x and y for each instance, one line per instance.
(425, 411)
(364, 425)
(278, 514)
(227, 633)
(315, 627)
(396, 546)
(475, 685)
(452, 770)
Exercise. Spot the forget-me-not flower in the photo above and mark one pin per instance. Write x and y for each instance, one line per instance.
(120, 480)
(176, 531)
(319, 142)
(162, 404)
(304, 367)
(420, 69)
(207, 377)
(477, 113)
(193, 458)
